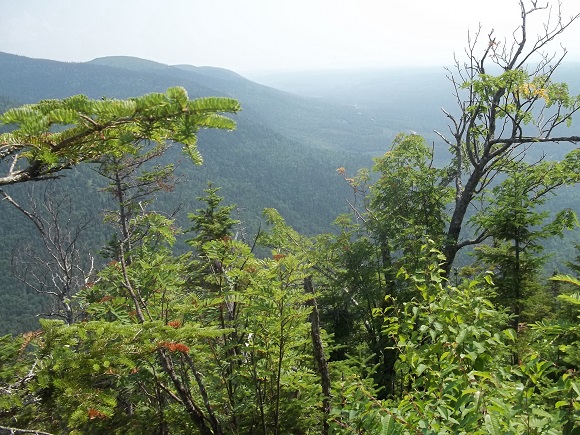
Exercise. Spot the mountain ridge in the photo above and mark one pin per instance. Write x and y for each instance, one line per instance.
(283, 154)
(262, 164)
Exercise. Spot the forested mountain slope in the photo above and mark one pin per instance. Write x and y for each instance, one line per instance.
(283, 154)
(279, 156)
(401, 98)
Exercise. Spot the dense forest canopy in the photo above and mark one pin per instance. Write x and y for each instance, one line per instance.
(199, 326)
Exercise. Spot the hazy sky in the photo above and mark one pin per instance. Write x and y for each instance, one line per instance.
(253, 35)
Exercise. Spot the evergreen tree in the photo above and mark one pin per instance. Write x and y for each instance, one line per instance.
(517, 230)
(53, 135)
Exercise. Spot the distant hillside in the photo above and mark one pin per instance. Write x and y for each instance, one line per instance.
(280, 156)
(406, 99)
(284, 153)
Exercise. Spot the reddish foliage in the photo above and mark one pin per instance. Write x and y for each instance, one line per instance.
(95, 413)
(175, 324)
(174, 347)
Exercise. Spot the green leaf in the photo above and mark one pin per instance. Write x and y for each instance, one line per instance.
(389, 426)
(492, 424)
(510, 334)
(420, 369)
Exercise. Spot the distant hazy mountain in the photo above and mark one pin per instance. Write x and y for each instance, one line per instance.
(405, 99)
(284, 153)
(278, 133)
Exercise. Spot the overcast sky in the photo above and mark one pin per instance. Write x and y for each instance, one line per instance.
(256, 35)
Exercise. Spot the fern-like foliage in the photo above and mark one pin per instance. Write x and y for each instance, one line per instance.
(56, 134)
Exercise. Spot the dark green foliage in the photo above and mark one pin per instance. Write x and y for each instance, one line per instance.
(15, 371)
(517, 231)
(54, 135)
(239, 344)
(408, 202)
(214, 222)
(401, 210)
(455, 351)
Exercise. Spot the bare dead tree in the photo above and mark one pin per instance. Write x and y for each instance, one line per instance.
(58, 267)
(507, 102)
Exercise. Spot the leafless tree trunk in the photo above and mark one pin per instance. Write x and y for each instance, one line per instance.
(57, 268)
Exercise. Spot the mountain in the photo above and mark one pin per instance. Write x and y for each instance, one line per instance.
(293, 132)
(405, 99)
(283, 154)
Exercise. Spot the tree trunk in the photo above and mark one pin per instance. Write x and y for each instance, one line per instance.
(183, 393)
(319, 356)
(462, 202)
